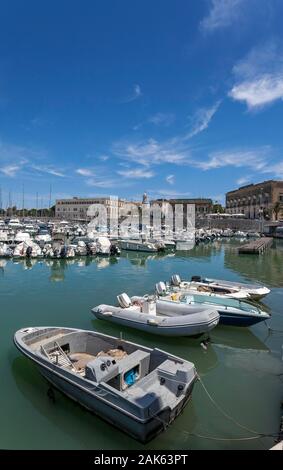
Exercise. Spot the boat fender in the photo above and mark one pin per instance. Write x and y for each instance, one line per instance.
(106, 314)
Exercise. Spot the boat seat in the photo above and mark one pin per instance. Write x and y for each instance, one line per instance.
(80, 360)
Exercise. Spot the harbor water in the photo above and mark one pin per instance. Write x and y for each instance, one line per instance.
(241, 368)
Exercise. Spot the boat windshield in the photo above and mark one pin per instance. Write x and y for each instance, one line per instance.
(225, 302)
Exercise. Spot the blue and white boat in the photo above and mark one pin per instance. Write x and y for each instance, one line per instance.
(232, 311)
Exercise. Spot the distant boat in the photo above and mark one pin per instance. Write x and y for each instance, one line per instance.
(137, 389)
(14, 223)
(136, 245)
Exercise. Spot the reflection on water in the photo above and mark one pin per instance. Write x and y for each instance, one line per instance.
(266, 268)
(241, 367)
(240, 338)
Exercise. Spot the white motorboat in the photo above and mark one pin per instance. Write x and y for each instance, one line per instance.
(231, 288)
(137, 245)
(14, 224)
(22, 237)
(5, 250)
(232, 311)
(203, 288)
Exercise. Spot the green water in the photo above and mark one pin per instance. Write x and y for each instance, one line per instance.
(242, 368)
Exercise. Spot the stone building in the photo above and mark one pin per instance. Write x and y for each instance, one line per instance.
(202, 206)
(257, 201)
(76, 209)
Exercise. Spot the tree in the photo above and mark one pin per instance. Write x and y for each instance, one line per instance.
(217, 208)
(276, 209)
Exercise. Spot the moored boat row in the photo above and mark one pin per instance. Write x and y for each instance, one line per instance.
(185, 309)
(138, 389)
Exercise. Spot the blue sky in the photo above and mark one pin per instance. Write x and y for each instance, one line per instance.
(175, 98)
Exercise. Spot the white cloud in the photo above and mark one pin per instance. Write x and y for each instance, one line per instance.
(162, 119)
(102, 182)
(167, 193)
(259, 77)
(255, 159)
(136, 173)
(260, 160)
(19, 154)
(136, 93)
(10, 170)
(260, 91)
(170, 179)
(103, 158)
(49, 170)
(243, 180)
(150, 152)
(219, 198)
(276, 169)
(84, 172)
(222, 14)
(201, 120)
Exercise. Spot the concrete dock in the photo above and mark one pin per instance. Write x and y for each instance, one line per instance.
(256, 246)
(278, 446)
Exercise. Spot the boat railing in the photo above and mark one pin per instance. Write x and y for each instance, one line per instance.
(58, 352)
(65, 356)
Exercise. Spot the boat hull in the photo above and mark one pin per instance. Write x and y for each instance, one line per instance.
(141, 430)
(197, 329)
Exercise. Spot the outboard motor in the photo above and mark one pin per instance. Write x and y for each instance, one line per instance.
(63, 252)
(124, 300)
(29, 251)
(160, 288)
(56, 253)
(175, 280)
(196, 279)
(114, 250)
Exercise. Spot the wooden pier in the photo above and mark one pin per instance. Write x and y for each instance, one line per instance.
(256, 246)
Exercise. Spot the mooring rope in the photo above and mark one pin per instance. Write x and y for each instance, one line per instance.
(246, 428)
(257, 435)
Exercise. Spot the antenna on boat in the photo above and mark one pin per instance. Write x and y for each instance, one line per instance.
(36, 212)
(23, 201)
(50, 195)
(10, 204)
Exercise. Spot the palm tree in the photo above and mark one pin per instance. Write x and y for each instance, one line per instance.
(276, 209)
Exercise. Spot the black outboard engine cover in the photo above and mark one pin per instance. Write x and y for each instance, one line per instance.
(114, 250)
(196, 279)
(63, 252)
(29, 251)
